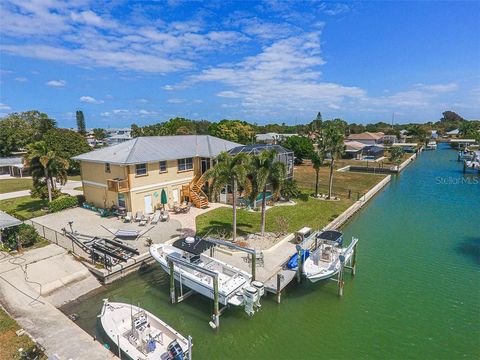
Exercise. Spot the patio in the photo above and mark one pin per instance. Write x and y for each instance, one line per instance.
(91, 223)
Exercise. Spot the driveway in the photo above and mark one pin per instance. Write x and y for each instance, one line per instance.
(68, 188)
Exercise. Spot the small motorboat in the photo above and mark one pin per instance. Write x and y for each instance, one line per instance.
(432, 145)
(141, 335)
(326, 260)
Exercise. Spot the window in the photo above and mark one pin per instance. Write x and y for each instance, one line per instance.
(107, 167)
(185, 164)
(141, 169)
(163, 166)
(121, 200)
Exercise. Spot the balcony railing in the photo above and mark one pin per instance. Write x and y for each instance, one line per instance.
(118, 185)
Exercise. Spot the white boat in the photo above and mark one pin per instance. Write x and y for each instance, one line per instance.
(326, 260)
(235, 286)
(432, 145)
(141, 335)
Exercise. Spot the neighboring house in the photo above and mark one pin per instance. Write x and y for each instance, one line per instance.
(283, 155)
(434, 134)
(453, 133)
(388, 140)
(353, 149)
(117, 136)
(134, 173)
(12, 166)
(117, 139)
(357, 150)
(272, 138)
(367, 138)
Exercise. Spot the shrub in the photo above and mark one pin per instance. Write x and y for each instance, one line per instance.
(290, 189)
(27, 236)
(62, 203)
(39, 190)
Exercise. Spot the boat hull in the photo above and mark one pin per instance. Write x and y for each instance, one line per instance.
(192, 282)
(108, 321)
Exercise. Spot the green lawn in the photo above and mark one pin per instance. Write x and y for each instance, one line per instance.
(74, 177)
(308, 211)
(24, 207)
(10, 185)
(80, 188)
(10, 342)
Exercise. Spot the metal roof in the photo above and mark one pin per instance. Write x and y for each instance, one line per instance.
(158, 148)
(8, 220)
(11, 161)
(258, 148)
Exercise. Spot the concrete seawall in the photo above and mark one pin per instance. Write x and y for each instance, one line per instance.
(347, 214)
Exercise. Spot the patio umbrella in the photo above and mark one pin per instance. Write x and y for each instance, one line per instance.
(163, 198)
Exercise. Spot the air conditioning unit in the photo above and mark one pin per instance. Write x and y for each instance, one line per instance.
(302, 234)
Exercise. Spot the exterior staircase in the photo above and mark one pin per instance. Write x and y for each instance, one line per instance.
(195, 193)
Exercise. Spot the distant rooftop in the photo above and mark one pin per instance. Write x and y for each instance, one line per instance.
(257, 149)
(366, 136)
(158, 148)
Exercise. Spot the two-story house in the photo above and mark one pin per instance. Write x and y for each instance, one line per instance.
(134, 173)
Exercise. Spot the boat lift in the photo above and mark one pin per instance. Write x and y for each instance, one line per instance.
(172, 261)
(312, 245)
(249, 251)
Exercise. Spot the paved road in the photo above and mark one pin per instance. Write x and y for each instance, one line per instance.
(67, 188)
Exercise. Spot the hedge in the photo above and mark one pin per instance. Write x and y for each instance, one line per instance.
(62, 203)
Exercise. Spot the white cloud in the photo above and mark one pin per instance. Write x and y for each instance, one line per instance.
(176, 101)
(284, 76)
(90, 100)
(70, 33)
(5, 107)
(56, 83)
(168, 88)
(228, 94)
(106, 114)
(197, 101)
(120, 111)
(142, 101)
(21, 79)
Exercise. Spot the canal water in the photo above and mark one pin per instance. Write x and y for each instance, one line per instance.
(416, 294)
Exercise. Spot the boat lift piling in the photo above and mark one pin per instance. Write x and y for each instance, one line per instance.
(250, 252)
(350, 264)
(172, 261)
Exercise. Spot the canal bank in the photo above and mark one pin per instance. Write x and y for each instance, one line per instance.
(415, 294)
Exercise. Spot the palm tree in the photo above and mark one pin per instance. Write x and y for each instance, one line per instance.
(266, 170)
(333, 142)
(45, 163)
(317, 162)
(230, 170)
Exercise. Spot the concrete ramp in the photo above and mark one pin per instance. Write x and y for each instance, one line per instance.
(33, 284)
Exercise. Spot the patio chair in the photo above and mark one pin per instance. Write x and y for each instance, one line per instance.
(156, 217)
(165, 216)
(139, 216)
(144, 221)
(128, 217)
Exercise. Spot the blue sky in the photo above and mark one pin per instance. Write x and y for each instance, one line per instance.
(267, 61)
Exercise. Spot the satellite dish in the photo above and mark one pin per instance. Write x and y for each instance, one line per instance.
(189, 240)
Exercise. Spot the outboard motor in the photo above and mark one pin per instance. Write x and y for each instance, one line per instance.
(261, 291)
(250, 297)
(175, 351)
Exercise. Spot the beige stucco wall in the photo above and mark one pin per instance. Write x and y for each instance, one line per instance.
(95, 183)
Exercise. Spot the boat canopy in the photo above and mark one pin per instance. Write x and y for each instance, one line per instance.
(331, 235)
(196, 247)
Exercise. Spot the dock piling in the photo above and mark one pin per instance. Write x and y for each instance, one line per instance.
(254, 264)
(216, 313)
(354, 260)
(300, 265)
(279, 288)
(340, 281)
(172, 281)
